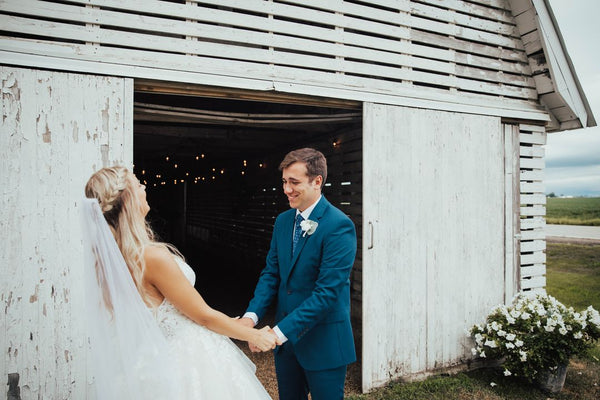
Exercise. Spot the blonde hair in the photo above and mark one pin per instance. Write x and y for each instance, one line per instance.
(114, 188)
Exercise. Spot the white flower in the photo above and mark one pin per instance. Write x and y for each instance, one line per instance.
(510, 345)
(478, 338)
(511, 337)
(308, 227)
(518, 343)
(474, 351)
(507, 373)
(525, 315)
(492, 384)
(562, 331)
(490, 343)
(578, 335)
(523, 355)
(549, 328)
(501, 333)
(482, 354)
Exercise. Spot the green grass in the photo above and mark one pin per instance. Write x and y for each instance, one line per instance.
(573, 274)
(573, 277)
(573, 211)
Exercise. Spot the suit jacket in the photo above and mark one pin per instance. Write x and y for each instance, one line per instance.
(311, 287)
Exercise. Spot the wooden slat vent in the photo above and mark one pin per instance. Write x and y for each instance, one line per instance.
(430, 48)
(533, 207)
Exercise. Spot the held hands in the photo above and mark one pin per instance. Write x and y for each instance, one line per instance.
(266, 339)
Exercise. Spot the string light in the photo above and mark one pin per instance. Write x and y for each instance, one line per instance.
(167, 158)
(175, 165)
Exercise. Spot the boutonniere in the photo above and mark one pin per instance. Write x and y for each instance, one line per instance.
(308, 227)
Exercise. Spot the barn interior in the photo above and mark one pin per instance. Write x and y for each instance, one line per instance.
(209, 161)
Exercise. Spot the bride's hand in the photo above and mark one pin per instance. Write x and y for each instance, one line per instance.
(265, 339)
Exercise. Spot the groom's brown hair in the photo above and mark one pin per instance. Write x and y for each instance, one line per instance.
(316, 163)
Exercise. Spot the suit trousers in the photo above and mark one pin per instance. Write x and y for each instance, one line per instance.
(294, 382)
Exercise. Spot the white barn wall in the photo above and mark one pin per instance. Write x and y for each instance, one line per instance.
(457, 56)
(57, 128)
(434, 229)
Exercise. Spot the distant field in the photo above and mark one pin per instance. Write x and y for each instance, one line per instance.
(574, 211)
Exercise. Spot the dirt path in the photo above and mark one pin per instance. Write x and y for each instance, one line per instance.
(265, 372)
(578, 234)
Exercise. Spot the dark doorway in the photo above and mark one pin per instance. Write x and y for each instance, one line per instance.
(210, 167)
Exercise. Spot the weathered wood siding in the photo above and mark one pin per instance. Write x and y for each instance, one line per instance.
(454, 55)
(56, 129)
(533, 207)
(434, 236)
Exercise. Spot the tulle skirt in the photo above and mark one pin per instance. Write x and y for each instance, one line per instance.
(212, 367)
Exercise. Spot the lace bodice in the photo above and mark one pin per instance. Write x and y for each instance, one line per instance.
(169, 318)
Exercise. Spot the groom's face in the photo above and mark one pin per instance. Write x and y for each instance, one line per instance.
(301, 192)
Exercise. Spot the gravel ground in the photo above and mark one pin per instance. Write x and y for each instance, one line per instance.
(265, 372)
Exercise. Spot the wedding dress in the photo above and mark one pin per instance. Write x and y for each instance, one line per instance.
(211, 365)
(137, 354)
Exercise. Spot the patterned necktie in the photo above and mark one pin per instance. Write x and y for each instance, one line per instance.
(297, 232)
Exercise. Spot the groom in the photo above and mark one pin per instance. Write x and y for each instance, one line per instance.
(307, 273)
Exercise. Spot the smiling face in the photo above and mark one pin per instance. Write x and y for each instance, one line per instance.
(300, 191)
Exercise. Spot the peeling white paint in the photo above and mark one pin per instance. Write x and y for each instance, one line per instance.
(44, 168)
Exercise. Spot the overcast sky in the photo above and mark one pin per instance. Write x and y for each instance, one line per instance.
(573, 157)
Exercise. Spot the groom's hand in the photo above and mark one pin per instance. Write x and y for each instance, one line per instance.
(250, 324)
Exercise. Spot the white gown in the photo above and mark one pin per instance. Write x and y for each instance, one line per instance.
(211, 365)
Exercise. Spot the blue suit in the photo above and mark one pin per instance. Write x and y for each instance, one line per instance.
(312, 290)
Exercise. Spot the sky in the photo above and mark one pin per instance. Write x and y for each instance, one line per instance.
(573, 157)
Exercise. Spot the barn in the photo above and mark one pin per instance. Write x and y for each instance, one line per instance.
(433, 115)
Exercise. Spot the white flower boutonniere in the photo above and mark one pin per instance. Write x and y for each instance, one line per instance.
(308, 227)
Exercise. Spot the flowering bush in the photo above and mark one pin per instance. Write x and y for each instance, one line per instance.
(536, 333)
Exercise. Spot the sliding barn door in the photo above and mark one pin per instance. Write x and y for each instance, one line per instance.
(56, 130)
(433, 236)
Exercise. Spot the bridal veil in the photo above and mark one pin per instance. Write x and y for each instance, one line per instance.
(128, 358)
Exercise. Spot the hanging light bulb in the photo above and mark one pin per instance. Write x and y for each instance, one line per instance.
(167, 158)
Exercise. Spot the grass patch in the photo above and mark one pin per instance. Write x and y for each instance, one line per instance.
(491, 384)
(573, 211)
(573, 274)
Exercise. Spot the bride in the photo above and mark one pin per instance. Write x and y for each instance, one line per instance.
(152, 335)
